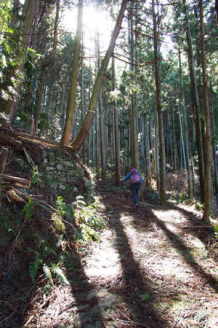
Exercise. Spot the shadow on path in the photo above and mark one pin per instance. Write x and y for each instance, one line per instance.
(184, 251)
(135, 281)
(135, 288)
(83, 292)
(197, 227)
(21, 299)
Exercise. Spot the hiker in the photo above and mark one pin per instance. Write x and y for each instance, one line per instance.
(135, 184)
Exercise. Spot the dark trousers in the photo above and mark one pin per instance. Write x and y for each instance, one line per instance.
(134, 187)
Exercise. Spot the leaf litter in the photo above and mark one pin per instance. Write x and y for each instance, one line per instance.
(147, 270)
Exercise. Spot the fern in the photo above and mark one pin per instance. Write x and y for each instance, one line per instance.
(34, 267)
(58, 222)
(28, 209)
(60, 274)
(36, 176)
(48, 273)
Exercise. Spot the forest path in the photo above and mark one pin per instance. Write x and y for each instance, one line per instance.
(150, 269)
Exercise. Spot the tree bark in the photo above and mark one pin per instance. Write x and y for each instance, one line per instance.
(116, 130)
(189, 161)
(208, 186)
(71, 104)
(162, 159)
(85, 128)
(195, 102)
(38, 106)
(132, 109)
(55, 41)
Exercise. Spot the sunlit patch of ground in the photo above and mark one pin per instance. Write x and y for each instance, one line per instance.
(169, 267)
(104, 261)
(147, 246)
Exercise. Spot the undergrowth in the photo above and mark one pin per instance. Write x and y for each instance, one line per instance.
(44, 234)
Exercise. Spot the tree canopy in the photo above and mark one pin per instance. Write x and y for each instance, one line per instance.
(144, 97)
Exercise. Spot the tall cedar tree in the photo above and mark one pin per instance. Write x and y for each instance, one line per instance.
(87, 123)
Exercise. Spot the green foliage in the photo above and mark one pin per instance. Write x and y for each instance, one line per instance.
(34, 267)
(5, 224)
(5, 13)
(88, 233)
(145, 297)
(5, 7)
(90, 189)
(36, 175)
(43, 121)
(28, 209)
(59, 273)
(199, 206)
(9, 54)
(31, 61)
(64, 209)
(51, 271)
(44, 253)
(58, 222)
(10, 223)
(88, 219)
(215, 228)
(182, 196)
(46, 249)
(48, 273)
(61, 206)
(47, 260)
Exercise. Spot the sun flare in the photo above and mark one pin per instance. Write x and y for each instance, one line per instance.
(95, 21)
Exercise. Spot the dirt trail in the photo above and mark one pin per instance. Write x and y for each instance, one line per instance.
(151, 269)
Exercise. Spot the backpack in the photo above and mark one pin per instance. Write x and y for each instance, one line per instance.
(135, 178)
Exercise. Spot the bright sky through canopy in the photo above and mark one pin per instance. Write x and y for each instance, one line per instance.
(95, 20)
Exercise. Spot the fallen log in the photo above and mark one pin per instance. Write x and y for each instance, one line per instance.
(13, 196)
(197, 227)
(17, 180)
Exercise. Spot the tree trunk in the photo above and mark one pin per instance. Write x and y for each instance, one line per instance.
(71, 104)
(195, 102)
(25, 40)
(132, 109)
(189, 161)
(84, 131)
(162, 160)
(116, 130)
(208, 186)
(9, 106)
(102, 136)
(55, 41)
(38, 107)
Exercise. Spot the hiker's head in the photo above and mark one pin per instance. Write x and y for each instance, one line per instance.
(133, 171)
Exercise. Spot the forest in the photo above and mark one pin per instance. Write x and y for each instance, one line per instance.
(88, 90)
